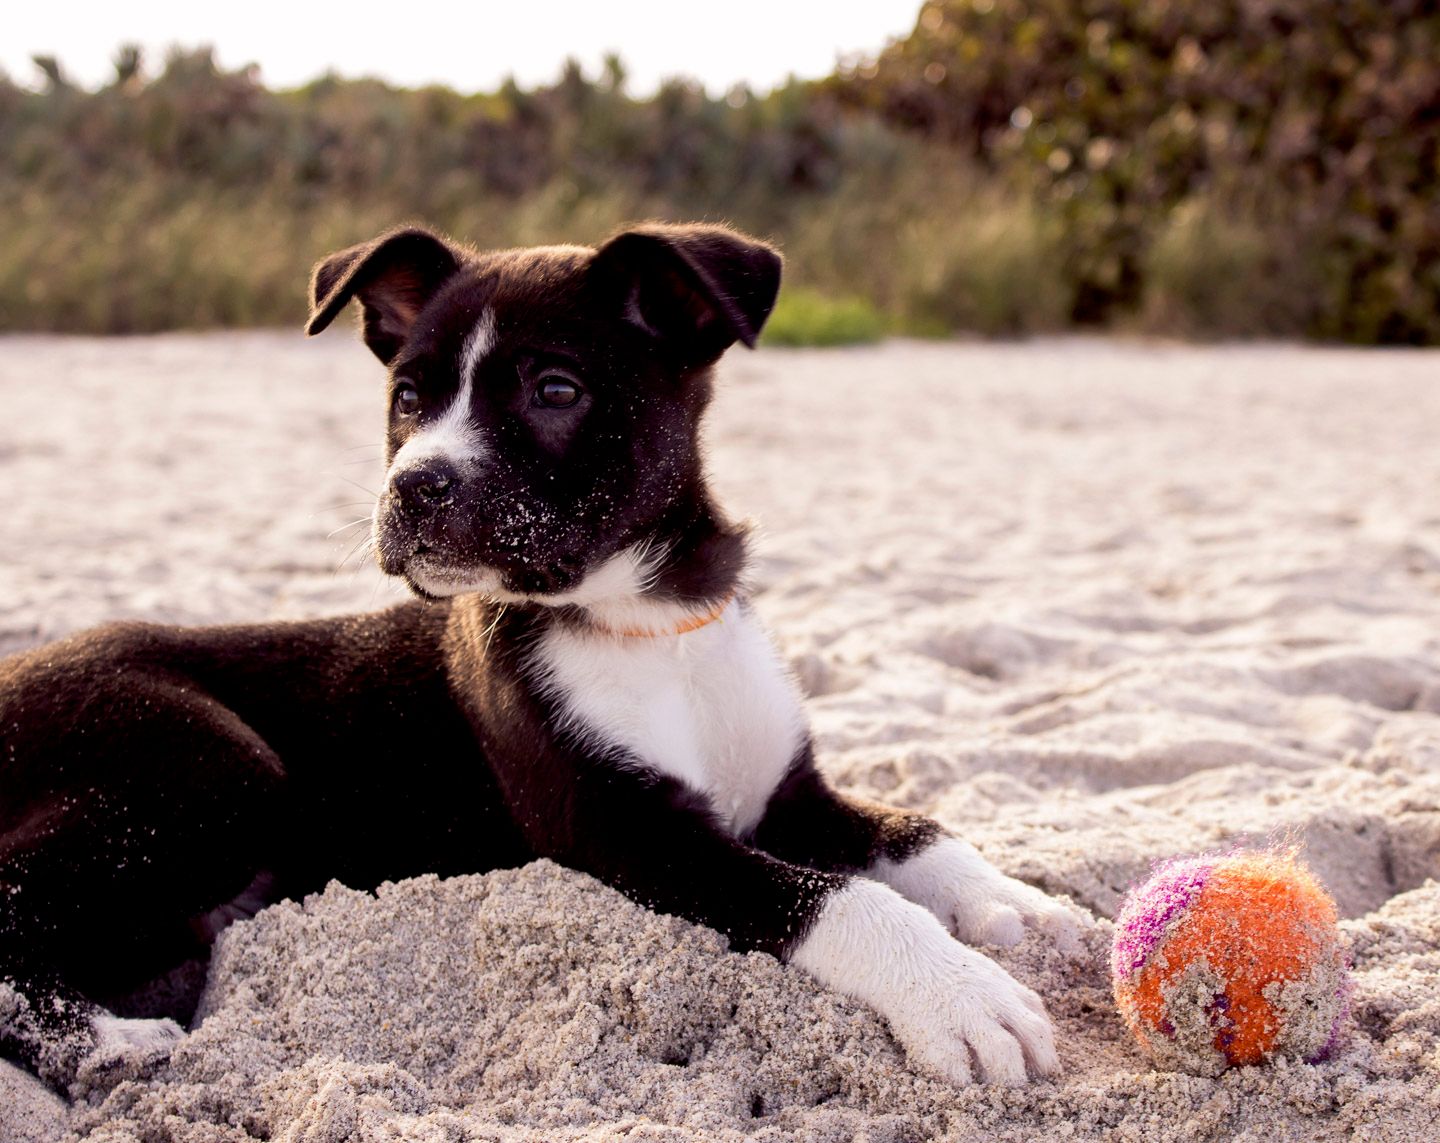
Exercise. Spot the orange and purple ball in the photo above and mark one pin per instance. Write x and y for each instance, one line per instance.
(1231, 959)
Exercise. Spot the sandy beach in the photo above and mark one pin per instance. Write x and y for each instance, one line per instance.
(1090, 603)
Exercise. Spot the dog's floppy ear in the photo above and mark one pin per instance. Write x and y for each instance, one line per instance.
(393, 276)
(699, 287)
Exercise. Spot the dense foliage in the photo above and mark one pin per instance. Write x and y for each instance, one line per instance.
(1313, 125)
(1212, 167)
(197, 196)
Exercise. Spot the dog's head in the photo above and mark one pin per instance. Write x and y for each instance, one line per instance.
(544, 404)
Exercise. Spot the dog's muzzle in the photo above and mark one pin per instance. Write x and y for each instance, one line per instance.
(411, 516)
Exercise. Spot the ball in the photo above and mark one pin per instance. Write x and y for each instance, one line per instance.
(1232, 959)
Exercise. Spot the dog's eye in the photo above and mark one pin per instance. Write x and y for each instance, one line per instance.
(556, 391)
(407, 400)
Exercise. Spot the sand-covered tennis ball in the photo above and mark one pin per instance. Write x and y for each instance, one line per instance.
(1232, 959)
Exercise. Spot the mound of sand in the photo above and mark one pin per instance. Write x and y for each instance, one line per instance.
(1089, 604)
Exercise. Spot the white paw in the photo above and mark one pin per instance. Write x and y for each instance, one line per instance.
(958, 1013)
(132, 1042)
(977, 902)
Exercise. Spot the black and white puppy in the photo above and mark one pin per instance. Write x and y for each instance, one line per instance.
(581, 678)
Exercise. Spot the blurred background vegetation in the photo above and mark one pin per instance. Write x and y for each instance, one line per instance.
(1203, 168)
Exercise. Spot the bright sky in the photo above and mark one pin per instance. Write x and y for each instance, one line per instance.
(469, 46)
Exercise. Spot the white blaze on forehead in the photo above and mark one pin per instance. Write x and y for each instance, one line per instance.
(480, 342)
(454, 436)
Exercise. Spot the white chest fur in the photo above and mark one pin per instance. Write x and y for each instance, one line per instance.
(714, 708)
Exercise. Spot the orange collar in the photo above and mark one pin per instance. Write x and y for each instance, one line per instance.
(694, 623)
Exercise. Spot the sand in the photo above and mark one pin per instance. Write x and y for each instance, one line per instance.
(1090, 603)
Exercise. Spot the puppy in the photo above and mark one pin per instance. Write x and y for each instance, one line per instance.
(581, 678)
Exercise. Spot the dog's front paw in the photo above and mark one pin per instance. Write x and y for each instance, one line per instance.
(958, 1013)
(124, 1049)
(977, 902)
(968, 1019)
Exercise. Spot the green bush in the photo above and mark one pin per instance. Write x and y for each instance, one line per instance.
(1208, 275)
(807, 317)
(1308, 123)
(989, 267)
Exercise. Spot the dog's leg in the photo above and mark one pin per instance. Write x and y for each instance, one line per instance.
(957, 1013)
(67, 1039)
(112, 851)
(809, 823)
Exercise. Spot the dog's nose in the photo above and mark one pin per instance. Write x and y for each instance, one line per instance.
(424, 486)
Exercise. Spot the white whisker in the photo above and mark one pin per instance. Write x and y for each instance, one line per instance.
(363, 546)
(346, 527)
(494, 623)
(355, 484)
